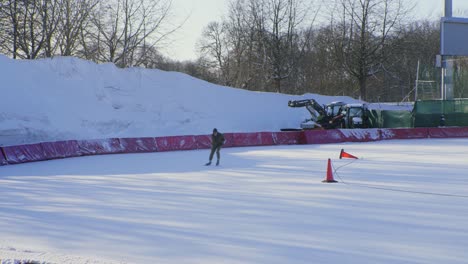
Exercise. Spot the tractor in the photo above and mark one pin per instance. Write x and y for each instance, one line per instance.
(322, 117)
(332, 116)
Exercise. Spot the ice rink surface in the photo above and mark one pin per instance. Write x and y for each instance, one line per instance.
(402, 201)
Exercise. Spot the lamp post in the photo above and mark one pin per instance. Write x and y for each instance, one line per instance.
(447, 61)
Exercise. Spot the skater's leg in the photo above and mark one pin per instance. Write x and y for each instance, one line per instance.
(213, 149)
(218, 155)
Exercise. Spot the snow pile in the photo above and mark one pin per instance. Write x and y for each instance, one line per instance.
(68, 98)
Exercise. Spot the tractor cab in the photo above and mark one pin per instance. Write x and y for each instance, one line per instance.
(355, 116)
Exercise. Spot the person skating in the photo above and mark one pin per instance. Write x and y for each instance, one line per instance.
(217, 141)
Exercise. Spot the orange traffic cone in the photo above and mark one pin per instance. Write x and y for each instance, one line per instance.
(343, 154)
(329, 173)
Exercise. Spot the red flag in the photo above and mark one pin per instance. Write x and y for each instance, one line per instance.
(344, 154)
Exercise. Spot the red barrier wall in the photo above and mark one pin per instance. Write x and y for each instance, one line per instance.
(138, 145)
(288, 138)
(447, 132)
(61, 149)
(323, 136)
(202, 141)
(3, 160)
(74, 148)
(176, 143)
(24, 153)
(100, 146)
(248, 139)
(361, 135)
(403, 133)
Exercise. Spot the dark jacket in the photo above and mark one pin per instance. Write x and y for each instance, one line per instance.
(218, 140)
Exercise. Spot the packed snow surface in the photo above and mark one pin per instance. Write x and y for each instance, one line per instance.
(403, 201)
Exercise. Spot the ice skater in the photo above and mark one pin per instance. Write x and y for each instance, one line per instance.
(217, 141)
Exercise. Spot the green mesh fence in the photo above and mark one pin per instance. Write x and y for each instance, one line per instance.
(428, 83)
(375, 118)
(428, 113)
(425, 114)
(429, 80)
(390, 119)
(397, 119)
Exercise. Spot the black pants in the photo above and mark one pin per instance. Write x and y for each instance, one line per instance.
(213, 150)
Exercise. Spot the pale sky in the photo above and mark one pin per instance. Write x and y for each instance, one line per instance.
(200, 12)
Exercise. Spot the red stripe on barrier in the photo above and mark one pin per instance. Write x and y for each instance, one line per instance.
(138, 145)
(323, 136)
(24, 153)
(448, 132)
(3, 160)
(100, 146)
(202, 141)
(266, 139)
(360, 135)
(61, 149)
(176, 143)
(247, 139)
(288, 138)
(403, 133)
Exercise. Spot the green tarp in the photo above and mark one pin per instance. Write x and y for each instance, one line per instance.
(429, 113)
(390, 119)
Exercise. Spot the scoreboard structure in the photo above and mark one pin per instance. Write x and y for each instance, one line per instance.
(453, 43)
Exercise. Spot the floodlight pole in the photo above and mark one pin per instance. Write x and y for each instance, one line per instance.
(447, 62)
(448, 8)
(447, 75)
(417, 84)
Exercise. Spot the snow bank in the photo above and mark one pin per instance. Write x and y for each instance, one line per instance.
(66, 98)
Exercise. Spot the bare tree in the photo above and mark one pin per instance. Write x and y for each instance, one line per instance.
(214, 45)
(51, 15)
(30, 27)
(319, 71)
(24, 36)
(32, 35)
(259, 44)
(284, 19)
(36, 28)
(362, 33)
(75, 18)
(9, 23)
(121, 26)
(418, 41)
(237, 30)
